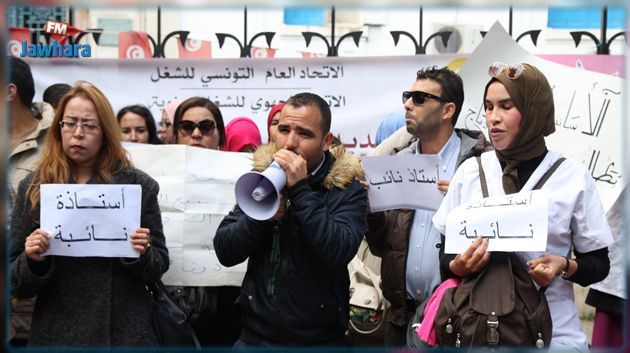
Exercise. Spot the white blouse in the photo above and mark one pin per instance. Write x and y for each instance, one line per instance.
(576, 216)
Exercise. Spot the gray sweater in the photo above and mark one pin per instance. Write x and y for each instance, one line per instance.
(90, 301)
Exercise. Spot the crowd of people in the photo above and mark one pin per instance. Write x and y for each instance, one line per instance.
(296, 287)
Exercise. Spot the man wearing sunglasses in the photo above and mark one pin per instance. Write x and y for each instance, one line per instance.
(405, 239)
(295, 291)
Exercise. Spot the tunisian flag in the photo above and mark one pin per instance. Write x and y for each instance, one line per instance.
(16, 36)
(257, 52)
(134, 45)
(195, 48)
(308, 54)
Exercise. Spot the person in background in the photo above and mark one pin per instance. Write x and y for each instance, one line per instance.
(198, 122)
(272, 121)
(404, 238)
(295, 291)
(388, 126)
(519, 108)
(86, 301)
(52, 94)
(609, 297)
(242, 135)
(165, 127)
(29, 126)
(137, 125)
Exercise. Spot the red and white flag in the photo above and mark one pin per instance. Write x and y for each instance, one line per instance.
(257, 52)
(134, 45)
(308, 54)
(16, 36)
(195, 48)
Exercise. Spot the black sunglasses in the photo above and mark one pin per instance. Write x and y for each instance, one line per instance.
(419, 97)
(187, 127)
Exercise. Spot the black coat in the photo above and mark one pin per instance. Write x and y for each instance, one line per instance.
(303, 299)
(90, 301)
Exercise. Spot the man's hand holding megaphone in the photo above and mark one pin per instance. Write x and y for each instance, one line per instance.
(293, 164)
(261, 195)
(295, 168)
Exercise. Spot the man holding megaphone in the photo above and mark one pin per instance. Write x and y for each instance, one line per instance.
(295, 291)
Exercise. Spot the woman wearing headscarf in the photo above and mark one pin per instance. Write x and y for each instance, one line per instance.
(272, 121)
(86, 301)
(519, 112)
(165, 127)
(241, 135)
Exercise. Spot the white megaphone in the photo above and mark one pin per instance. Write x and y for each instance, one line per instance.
(258, 194)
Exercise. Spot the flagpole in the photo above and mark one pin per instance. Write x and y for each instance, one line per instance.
(159, 24)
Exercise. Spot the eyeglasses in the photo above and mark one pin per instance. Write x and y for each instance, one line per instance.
(187, 127)
(419, 97)
(512, 71)
(87, 127)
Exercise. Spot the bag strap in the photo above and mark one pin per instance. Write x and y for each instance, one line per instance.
(548, 173)
(539, 184)
(482, 178)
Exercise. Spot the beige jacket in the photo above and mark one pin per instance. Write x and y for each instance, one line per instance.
(23, 160)
(24, 157)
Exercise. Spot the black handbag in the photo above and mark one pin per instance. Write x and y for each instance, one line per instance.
(170, 322)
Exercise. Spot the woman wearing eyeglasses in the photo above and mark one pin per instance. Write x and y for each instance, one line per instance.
(86, 301)
(519, 110)
(198, 122)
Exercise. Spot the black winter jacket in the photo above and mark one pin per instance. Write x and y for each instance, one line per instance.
(296, 292)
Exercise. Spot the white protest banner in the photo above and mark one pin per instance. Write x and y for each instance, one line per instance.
(408, 181)
(196, 192)
(90, 219)
(361, 91)
(588, 108)
(515, 222)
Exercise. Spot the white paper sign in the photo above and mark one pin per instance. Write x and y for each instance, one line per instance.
(408, 181)
(90, 219)
(515, 222)
(196, 192)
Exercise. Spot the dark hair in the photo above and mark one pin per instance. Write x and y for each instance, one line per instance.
(204, 103)
(20, 75)
(451, 83)
(148, 119)
(311, 99)
(53, 94)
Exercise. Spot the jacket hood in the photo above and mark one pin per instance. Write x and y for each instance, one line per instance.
(345, 169)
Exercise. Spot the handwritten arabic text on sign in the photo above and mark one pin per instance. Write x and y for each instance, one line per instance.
(90, 220)
(515, 222)
(403, 182)
(588, 109)
(196, 192)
